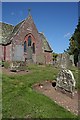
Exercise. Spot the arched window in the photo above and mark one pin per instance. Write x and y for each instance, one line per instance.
(33, 47)
(29, 41)
(25, 49)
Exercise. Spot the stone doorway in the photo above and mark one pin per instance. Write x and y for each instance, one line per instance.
(29, 54)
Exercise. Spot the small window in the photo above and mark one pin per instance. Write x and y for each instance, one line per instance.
(29, 41)
(25, 49)
(33, 47)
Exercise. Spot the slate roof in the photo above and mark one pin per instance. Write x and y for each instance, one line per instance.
(5, 32)
(45, 43)
(16, 28)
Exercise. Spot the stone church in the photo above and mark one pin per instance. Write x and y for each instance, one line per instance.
(23, 42)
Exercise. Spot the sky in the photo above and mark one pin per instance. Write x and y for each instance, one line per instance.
(57, 20)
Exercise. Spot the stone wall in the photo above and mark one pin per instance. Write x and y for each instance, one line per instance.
(5, 52)
(1, 53)
(9, 52)
(15, 50)
(48, 58)
(63, 60)
(26, 28)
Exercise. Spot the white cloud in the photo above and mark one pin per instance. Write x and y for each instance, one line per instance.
(67, 35)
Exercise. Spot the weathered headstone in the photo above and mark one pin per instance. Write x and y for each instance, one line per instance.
(18, 53)
(72, 59)
(64, 60)
(65, 78)
(13, 68)
(66, 81)
(58, 62)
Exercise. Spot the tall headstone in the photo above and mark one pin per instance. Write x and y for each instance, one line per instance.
(72, 59)
(63, 60)
(65, 78)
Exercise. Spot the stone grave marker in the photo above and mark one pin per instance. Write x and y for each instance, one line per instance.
(65, 78)
(72, 59)
(64, 60)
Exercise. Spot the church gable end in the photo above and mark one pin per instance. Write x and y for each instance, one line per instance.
(31, 49)
(27, 44)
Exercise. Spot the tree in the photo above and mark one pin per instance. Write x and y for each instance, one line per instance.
(74, 45)
(77, 35)
(55, 56)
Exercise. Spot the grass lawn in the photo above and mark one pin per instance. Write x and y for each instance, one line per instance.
(19, 100)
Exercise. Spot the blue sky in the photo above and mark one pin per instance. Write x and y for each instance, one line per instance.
(57, 20)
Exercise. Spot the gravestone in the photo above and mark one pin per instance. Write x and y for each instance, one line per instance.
(65, 78)
(14, 67)
(18, 53)
(58, 61)
(72, 59)
(63, 60)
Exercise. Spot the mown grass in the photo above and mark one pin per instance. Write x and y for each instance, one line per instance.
(21, 101)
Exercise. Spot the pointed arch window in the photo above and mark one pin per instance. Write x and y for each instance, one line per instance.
(33, 47)
(25, 47)
(29, 41)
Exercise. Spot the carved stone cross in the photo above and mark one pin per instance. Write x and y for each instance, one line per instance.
(29, 11)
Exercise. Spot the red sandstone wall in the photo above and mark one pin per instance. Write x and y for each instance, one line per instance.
(1, 53)
(5, 52)
(8, 52)
(48, 58)
(28, 27)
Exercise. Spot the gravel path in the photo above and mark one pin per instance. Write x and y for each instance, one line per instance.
(62, 99)
(8, 72)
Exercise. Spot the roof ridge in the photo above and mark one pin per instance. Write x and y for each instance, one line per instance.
(20, 25)
(18, 28)
(6, 30)
(45, 42)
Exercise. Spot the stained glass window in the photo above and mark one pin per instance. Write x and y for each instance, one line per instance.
(29, 41)
(33, 47)
(25, 46)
